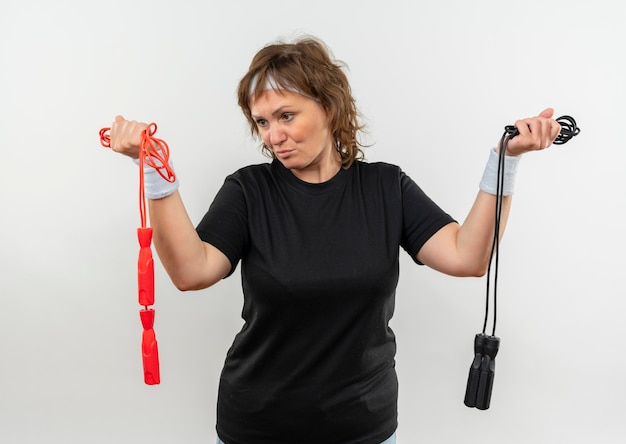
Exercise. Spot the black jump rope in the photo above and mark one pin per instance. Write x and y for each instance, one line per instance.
(482, 370)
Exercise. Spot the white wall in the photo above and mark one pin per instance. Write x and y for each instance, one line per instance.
(437, 82)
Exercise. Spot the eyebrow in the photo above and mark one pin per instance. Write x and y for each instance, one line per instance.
(277, 111)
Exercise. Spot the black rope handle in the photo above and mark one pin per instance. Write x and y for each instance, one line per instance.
(569, 129)
(482, 369)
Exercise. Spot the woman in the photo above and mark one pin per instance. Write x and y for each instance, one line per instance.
(318, 232)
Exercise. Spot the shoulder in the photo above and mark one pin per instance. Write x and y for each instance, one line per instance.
(251, 175)
(257, 170)
(378, 171)
(388, 177)
(375, 167)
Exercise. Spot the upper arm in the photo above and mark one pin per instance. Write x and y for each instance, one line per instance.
(440, 252)
(218, 266)
(224, 231)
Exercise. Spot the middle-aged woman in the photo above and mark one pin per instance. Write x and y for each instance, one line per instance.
(318, 232)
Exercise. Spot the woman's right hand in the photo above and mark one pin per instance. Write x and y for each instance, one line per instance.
(125, 136)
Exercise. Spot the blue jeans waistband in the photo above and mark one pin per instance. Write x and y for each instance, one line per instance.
(390, 440)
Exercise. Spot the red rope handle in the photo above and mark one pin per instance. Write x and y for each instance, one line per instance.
(153, 152)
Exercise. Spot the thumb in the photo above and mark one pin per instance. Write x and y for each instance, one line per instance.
(119, 119)
(548, 112)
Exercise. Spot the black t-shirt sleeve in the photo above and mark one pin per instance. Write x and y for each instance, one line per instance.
(421, 217)
(225, 225)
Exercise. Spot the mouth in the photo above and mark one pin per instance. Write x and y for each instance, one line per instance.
(284, 153)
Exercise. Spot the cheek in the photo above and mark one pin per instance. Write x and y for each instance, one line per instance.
(311, 133)
(321, 135)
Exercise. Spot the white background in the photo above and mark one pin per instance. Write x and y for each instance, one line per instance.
(436, 81)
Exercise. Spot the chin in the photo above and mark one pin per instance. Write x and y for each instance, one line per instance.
(291, 164)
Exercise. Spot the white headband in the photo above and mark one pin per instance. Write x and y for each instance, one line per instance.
(272, 84)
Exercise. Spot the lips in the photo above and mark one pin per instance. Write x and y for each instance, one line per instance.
(284, 153)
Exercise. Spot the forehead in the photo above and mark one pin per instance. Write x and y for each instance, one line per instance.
(271, 100)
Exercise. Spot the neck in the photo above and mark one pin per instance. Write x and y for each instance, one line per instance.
(321, 171)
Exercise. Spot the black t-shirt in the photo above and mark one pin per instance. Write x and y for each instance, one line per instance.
(314, 361)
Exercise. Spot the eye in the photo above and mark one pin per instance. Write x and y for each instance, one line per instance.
(261, 123)
(287, 116)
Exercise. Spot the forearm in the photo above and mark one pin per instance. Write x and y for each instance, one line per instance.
(465, 250)
(475, 235)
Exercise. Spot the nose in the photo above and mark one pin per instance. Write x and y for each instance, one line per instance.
(276, 135)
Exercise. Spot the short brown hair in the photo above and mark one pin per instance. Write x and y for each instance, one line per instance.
(308, 67)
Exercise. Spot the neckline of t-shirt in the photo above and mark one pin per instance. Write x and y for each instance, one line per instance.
(291, 179)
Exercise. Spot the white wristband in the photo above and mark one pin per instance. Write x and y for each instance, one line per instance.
(155, 186)
(489, 181)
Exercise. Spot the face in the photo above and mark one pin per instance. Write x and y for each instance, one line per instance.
(296, 129)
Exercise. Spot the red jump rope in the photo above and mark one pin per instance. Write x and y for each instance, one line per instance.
(154, 153)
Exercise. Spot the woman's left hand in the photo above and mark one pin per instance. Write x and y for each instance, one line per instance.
(535, 133)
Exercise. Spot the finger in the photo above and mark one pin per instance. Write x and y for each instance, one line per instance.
(535, 137)
(542, 131)
(546, 130)
(116, 133)
(555, 129)
(531, 132)
(546, 133)
(548, 112)
(523, 127)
